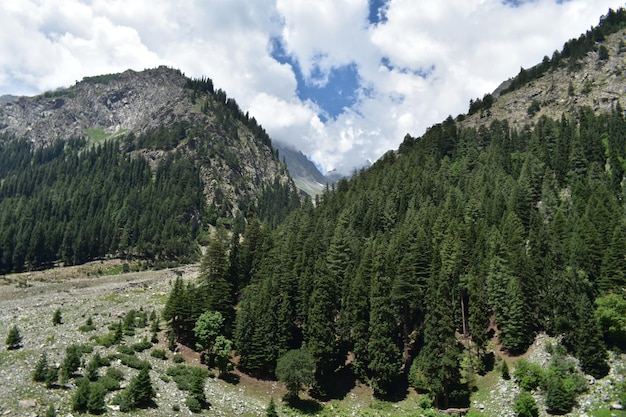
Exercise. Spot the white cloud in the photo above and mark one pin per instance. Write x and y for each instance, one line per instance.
(466, 48)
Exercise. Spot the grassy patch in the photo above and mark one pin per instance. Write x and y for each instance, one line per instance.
(98, 134)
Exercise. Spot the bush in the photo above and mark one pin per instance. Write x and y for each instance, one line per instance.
(184, 375)
(56, 317)
(125, 350)
(141, 346)
(159, 354)
(88, 326)
(176, 407)
(178, 358)
(534, 108)
(132, 361)
(528, 375)
(115, 373)
(109, 383)
(525, 405)
(193, 404)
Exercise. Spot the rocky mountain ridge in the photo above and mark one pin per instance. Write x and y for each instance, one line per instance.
(237, 163)
(598, 82)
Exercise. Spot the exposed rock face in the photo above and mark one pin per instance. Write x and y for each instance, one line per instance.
(131, 101)
(598, 84)
(239, 163)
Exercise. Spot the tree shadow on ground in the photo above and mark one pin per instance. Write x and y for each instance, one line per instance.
(336, 386)
(396, 391)
(305, 406)
(230, 378)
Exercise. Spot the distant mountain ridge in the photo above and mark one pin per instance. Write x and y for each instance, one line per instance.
(303, 171)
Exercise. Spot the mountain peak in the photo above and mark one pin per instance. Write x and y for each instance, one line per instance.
(111, 103)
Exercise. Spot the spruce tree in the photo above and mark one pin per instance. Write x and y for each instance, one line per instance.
(270, 411)
(385, 358)
(214, 280)
(56, 317)
(95, 402)
(14, 339)
(81, 396)
(140, 389)
(41, 368)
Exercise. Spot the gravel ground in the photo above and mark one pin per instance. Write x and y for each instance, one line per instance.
(106, 299)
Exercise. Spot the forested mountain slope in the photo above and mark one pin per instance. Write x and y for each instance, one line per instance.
(135, 165)
(479, 225)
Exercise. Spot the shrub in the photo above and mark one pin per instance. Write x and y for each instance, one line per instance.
(88, 326)
(159, 354)
(183, 375)
(176, 407)
(141, 346)
(193, 404)
(132, 361)
(115, 373)
(525, 405)
(125, 350)
(528, 375)
(178, 358)
(56, 317)
(109, 383)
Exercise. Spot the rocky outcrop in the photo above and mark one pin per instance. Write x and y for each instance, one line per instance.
(597, 83)
(131, 101)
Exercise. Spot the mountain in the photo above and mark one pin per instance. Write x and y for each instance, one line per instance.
(587, 72)
(461, 245)
(303, 171)
(136, 164)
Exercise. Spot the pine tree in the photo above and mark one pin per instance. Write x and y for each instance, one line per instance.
(56, 318)
(320, 333)
(505, 371)
(270, 411)
(214, 280)
(385, 358)
(71, 362)
(141, 390)
(589, 347)
(81, 396)
(41, 368)
(14, 339)
(95, 403)
(91, 370)
(197, 389)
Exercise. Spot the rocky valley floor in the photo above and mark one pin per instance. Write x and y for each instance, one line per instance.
(100, 291)
(29, 301)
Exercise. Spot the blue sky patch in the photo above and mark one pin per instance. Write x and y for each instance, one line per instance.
(377, 11)
(420, 72)
(332, 92)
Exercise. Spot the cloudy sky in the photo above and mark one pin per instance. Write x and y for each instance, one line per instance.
(341, 80)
